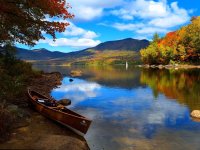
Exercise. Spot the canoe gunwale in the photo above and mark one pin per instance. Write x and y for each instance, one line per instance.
(50, 112)
(79, 116)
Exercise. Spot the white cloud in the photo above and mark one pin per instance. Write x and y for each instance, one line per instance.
(78, 92)
(151, 30)
(72, 42)
(139, 28)
(155, 16)
(73, 30)
(150, 9)
(143, 9)
(142, 37)
(123, 13)
(176, 17)
(129, 26)
(87, 13)
(87, 88)
(75, 37)
(90, 35)
(89, 10)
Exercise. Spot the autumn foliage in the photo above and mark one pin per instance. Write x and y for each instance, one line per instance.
(181, 85)
(24, 21)
(181, 46)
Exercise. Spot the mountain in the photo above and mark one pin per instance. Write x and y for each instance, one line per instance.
(110, 52)
(38, 54)
(125, 44)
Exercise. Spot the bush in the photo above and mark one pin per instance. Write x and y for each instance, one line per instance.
(6, 122)
(14, 80)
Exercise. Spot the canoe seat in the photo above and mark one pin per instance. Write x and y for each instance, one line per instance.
(42, 100)
(47, 102)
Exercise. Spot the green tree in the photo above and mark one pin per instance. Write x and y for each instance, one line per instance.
(156, 37)
(166, 54)
(150, 54)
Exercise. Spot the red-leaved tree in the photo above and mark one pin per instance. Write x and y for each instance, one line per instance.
(24, 21)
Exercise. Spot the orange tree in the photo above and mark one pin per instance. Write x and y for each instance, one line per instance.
(23, 21)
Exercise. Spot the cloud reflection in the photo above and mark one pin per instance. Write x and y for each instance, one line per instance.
(77, 91)
(127, 119)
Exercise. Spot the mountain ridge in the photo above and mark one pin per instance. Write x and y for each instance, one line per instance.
(38, 54)
(107, 51)
(122, 44)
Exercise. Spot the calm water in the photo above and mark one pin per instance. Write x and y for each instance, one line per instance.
(135, 108)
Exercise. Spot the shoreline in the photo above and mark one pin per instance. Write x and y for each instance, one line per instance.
(176, 66)
(35, 131)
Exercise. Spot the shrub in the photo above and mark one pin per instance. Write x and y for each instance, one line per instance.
(6, 122)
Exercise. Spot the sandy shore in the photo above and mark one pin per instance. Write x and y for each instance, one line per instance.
(37, 132)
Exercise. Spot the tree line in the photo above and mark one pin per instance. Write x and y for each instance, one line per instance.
(181, 46)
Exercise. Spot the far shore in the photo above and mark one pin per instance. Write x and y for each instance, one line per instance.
(35, 131)
(176, 66)
(170, 66)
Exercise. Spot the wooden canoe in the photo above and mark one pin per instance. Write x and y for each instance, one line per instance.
(72, 120)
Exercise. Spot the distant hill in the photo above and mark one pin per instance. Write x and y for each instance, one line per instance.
(38, 54)
(125, 44)
(105, 53)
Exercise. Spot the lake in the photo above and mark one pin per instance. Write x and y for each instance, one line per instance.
(134, 108)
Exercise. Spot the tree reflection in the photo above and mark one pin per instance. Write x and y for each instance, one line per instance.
(182, 85)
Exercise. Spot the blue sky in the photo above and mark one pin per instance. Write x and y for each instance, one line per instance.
(98, 21)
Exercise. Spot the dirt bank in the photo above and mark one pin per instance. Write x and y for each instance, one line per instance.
(37, 132)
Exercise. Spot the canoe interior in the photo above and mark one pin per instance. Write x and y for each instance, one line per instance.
(36, 96)
(64, 116)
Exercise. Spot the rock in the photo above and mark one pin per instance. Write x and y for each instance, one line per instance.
(195, 114)
(195, 119)
(160, 66)
(169, 66)
(64, 102)
(76, 73)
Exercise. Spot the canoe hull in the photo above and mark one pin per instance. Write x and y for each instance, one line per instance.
(67, 118)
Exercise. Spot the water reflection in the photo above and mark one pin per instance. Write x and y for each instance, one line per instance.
(136, 108)
(182, 85)
(77, 90)
(105, 75)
